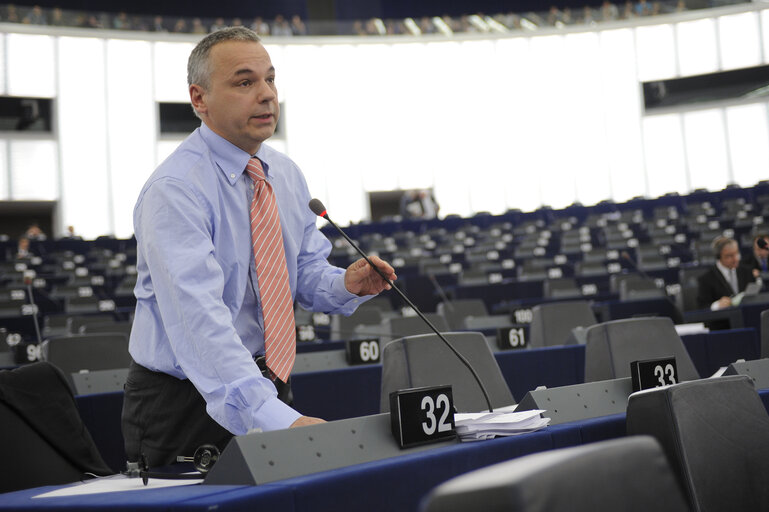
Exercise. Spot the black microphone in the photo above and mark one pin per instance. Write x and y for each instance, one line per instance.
(318, 209)
(31, 299)
(762, 243)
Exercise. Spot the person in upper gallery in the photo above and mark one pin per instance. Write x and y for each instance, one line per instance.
(225, 243)
(725, 279)
(758, 261)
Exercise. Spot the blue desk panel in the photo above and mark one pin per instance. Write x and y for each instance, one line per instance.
(398, 483)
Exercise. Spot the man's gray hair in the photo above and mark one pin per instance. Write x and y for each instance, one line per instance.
(199, 66)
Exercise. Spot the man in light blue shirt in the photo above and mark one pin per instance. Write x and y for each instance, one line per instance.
(199, 325)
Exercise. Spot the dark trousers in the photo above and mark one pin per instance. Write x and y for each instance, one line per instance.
(164, 417)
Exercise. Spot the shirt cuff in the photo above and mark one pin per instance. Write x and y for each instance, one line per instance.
(275, 415)
(346, 298)
(715, 306)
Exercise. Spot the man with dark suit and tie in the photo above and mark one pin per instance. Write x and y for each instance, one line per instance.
(758, 261)
(725, 279)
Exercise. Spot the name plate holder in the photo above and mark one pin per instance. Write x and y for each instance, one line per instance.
(362, 351)
(653, 373)
(513, 338)
(422, 415)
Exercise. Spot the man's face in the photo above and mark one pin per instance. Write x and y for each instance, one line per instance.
(730, 256)
(241, 102)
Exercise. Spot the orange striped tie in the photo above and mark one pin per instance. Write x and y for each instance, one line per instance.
(272, 276)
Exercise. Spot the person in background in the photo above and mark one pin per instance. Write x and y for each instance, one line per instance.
(226, 243)
(23, 250)
(758, 261)
(725, 279)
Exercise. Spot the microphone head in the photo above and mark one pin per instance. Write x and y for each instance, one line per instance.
(317, 208)
(762, 243)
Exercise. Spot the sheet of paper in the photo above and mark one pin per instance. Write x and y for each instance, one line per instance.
(114, 484)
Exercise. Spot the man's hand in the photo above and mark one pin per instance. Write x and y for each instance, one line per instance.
(304, 421)
(724, 302)
(361, 279)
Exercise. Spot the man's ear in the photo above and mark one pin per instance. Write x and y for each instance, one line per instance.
(197, 98)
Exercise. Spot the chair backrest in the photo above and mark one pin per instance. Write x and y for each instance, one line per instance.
(456, 311)
(417, 361)
(104, 351)
(715, 433)
(343, 327)
(552, 323)
(44, 437)
(629, 474)
(612, 346)
(765, 334)
(398, 327)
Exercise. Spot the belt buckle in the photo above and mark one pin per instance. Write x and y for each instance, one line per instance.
(261, 362)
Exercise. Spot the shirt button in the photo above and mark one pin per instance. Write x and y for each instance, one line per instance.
(232, 176)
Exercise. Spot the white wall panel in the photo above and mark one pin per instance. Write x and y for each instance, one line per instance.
(665, 158)
(748, 143)
(4, 180)
(34, 168)
(82, 127)
(131, 126)
(170, 71)
(697, 47)
(31, 65)
(739, 40)
(621, 101)
(655, 50)
(706, 149)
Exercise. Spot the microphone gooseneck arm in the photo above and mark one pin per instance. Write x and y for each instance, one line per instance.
(318, 209)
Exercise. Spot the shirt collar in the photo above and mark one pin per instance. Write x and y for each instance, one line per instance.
(725, 271)
(231, 159)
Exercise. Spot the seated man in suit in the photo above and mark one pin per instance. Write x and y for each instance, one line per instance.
(758, 261)
(725, 279)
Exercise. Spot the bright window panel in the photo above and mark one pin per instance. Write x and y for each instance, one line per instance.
(621, 103)
(171, 71)
(697, 47)
(521, 186)
(82, 128)
(4, 181)
(30, 66)
(587, 165)
(3, 66)
(655, 51)
(34, 170)
(739, 39)
(748, 143)
(706, 149)
(765, 33)
(665, 159)
(131, 120)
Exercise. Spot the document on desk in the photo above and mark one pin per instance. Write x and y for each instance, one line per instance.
(486, 425)
(114, 483)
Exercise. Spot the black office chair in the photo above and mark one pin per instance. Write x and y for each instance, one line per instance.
(628, 474)
(456, 311)
(424, 360)
(715, 433)
(87, 352)
(44, 439)
(554, 323)
(612, 346)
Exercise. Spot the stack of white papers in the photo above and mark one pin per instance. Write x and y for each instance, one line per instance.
(487, 425)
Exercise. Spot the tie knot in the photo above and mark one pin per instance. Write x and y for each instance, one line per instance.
(255, 170)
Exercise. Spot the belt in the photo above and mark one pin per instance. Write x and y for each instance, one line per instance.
(261, 362)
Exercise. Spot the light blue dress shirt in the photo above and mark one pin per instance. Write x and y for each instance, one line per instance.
(197, 311)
